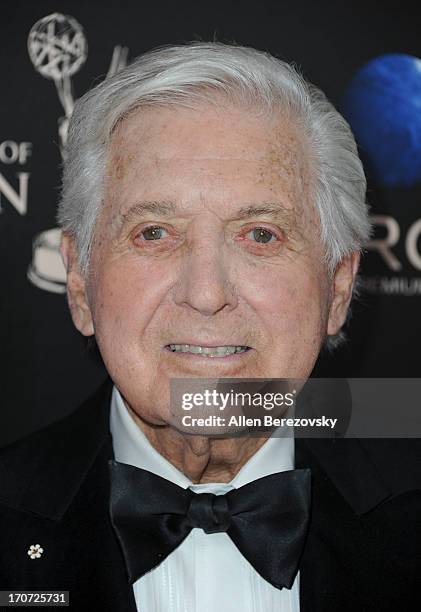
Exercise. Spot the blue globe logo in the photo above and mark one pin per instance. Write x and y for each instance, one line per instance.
(383, 106)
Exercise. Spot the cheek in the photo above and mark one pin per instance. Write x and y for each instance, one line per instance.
(292, 307)
(125, 301)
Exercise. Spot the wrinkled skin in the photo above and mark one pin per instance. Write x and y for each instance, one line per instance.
(205, 276)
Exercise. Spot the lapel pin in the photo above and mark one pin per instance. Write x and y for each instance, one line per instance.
(35, 551)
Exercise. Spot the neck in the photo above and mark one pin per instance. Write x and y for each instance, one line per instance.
(202, 459)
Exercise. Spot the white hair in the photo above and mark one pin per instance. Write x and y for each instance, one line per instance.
(196, 73)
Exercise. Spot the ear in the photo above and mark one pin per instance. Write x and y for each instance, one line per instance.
(343, 283)
(76, 287)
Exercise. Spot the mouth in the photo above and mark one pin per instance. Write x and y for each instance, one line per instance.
(222, 351)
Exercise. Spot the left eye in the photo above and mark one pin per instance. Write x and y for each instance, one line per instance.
(153, 233)
(262, 235)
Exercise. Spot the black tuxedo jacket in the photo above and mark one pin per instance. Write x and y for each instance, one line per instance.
(362, 553)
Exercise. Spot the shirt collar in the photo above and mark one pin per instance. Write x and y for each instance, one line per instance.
(132, 446)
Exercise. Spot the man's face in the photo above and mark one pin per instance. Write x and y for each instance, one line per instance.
(207, 237)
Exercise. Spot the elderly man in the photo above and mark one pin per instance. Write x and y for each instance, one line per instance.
(213, 214)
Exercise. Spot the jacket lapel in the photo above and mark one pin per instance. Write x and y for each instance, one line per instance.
(327, 568)
(352, 531)
(55, 492)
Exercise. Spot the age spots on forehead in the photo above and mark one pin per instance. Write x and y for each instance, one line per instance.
(285, 163)
(121, 152)
(119, 165)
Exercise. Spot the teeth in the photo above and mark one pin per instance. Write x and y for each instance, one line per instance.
(215, 351)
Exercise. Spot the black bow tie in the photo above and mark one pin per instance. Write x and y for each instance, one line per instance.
(266, 519)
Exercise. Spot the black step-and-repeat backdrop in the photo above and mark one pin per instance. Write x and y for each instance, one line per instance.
(365, 56)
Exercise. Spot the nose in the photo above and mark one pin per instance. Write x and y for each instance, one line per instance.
(204, 284)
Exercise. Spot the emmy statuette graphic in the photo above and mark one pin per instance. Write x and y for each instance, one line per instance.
(58, 48)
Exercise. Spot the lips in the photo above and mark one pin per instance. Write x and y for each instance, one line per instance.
(216, 350)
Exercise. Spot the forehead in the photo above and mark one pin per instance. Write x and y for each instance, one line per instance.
(222, 154)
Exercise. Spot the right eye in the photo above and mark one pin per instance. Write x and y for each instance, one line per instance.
(152, 233)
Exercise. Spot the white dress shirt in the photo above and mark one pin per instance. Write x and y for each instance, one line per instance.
(206, 573)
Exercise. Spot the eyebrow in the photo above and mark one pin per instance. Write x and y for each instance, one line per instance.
(166, 209)
(268, 210)
(162, 209)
